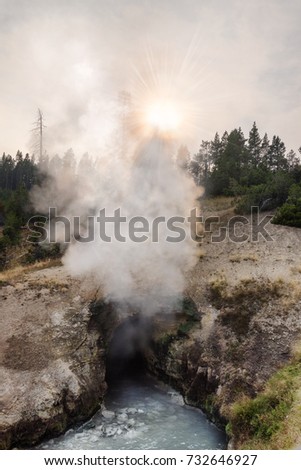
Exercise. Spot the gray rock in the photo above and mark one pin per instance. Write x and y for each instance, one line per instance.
(108, 414)
(110, 431)
(122, 418)
(52, 369)
(132, 410)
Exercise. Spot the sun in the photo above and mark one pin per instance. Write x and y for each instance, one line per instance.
(165, 94)
(163, 116)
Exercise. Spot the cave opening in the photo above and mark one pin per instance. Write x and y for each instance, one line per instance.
(126, 352)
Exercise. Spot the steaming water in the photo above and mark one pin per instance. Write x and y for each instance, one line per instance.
(143, 414)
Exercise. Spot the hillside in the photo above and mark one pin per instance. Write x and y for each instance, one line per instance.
(248, 298)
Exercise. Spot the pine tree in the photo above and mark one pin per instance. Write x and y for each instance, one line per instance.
(69, 162)
(232, 160)
(203, 158)
(55, 165)
(276, 155)
(292, 160)
(224, 141)
(216, 149)
(18, 171)
(264, 150)
(183, 157)
(254, 146)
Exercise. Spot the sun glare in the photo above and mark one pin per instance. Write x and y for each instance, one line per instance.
(163, 116)
(165, 94)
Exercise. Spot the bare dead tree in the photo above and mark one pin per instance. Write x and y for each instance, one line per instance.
(38, 131)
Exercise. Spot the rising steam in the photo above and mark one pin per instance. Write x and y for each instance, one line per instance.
(147, 276)
(140, 178)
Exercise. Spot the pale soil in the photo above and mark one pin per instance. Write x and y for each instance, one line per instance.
(275, 260)
(49, 357)
(48, 350)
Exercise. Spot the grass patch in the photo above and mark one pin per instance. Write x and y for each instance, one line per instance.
(272, 420)
(218, 289)
(245, 257)
(189, 313)
(291, 293)
(218, 203)
(184, 328)
(240, 303)
(190, 309)
(51, 284)
(18, 272)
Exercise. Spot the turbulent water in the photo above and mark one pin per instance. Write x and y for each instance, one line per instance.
(142, 414)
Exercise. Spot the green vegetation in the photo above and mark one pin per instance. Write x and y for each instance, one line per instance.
(240, 303)
(17, 176)
(190, 309)
(251, 172)
(254, 171)
(184, 328)
(9, 276)
(271, 420)
(290, 212)
(191, 316)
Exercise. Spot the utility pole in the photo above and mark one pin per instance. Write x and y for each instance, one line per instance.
(40, 123)
(38, 133)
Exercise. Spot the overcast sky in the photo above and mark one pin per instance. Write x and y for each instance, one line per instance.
(72, 57)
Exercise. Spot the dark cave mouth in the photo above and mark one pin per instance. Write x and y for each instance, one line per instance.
(126, 352)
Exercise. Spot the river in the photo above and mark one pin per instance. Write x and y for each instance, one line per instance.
(142, 413)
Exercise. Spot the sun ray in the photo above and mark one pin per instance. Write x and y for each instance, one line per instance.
(169, 92)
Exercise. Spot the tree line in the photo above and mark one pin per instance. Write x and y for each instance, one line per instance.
(254, 170)
(17, 177)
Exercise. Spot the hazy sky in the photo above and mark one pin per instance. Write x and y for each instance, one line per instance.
(72, 57)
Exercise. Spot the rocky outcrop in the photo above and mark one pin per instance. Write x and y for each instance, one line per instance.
(55, 341)
(52, 358)
(215, 362)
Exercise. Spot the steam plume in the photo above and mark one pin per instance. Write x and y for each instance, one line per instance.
(147, 276)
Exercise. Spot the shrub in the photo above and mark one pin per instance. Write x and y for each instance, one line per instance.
(290, 213)
(257, 421)
(39, 252)
(266, 196)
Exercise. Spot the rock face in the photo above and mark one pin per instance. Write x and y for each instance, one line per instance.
(249, 298)
(230, 337)
(51, 358)
(215, 361)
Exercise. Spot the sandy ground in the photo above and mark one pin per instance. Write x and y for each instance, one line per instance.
(51, 365)
(278, 259)
(44, 345)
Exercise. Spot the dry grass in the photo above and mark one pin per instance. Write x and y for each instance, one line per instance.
(219, 203)
(296, 269)
(292, 293)
(272, 420)
(239, 303)
(18, 272)
(218, 287)
(296, 350)
(50, 284)
(252, 287)
(245, 257)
